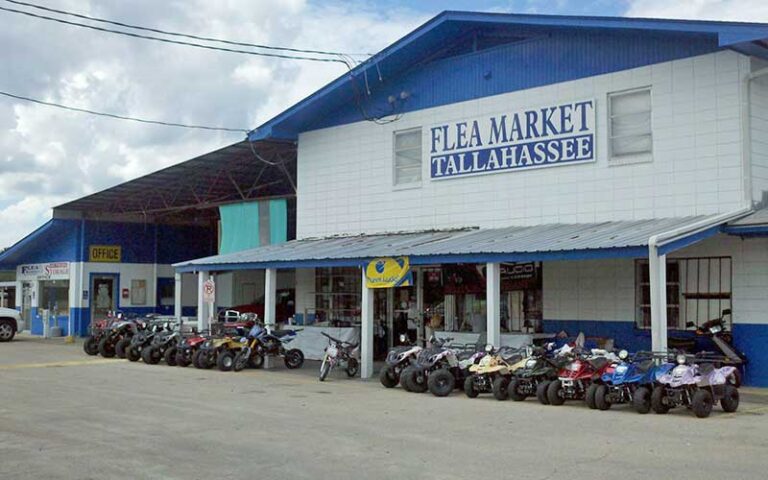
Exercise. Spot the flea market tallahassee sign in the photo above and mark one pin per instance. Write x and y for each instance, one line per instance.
(562, 134)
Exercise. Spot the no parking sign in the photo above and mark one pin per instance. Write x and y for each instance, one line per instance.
(209, 291)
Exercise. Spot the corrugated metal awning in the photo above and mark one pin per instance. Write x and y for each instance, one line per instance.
(618, 239)
(753, 225)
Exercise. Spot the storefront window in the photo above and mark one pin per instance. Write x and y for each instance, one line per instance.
(54, 296)
(698, 290)
(337, 296)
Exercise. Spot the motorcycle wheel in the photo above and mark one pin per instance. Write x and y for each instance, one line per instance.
(241, 361)
(353, 366)
(257, 361)
(469, 387)
(601, 398)
(132, 354)
(388, 377)
(121, 346)
(513, 390)
(589, 397)
(225, 360)
(170, 356)
(151, 355)
(500, 388)
(555, 393)
(641, 400)
(541, 392)
(294, 358)
(441, 383)
(657, 400)
(325, 369)
(91, 346)
(701, 403)
(730, 400)
(106, 348)
(182, 360)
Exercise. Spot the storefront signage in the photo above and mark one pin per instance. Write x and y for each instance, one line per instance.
(549, 136)
(44, 271)
(104, 253)
(388, 273)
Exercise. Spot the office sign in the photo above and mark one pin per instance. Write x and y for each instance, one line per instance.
(388, 273)
(549, 136)
(104, 253)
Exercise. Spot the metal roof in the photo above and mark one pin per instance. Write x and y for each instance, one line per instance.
(758, 217)
(235, 173)
(523, 243)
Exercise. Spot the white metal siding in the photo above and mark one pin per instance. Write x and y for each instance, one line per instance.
(345, 173)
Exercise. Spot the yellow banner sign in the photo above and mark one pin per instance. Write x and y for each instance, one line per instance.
(105, 253)
(388, 273)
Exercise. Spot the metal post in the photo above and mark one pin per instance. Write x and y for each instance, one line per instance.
(657, 270)
(493, 303)
(177, 297)
(200, 302)
(270, 298)
(212, 304)
(366, 330)
(390, 316)
(419, 306)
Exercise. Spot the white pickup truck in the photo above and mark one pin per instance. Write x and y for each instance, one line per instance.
(9, 323)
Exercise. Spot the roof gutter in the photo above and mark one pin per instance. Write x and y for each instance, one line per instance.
(659, 240)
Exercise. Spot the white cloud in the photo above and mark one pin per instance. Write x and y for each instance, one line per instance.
(734, 10)
(50, 156)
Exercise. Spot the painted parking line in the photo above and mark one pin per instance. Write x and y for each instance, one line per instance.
(73, 363)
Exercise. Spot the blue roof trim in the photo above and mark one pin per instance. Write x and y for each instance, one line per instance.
(751, 231)
(689, 240)
(432, 36)
(15, 249)
(595, 254)
(54, 241)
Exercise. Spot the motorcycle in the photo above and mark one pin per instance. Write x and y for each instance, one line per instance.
(697, 386)
(338, 352)
(398, 359)
(630, 381)
(259, 343)
(575, 378)
(491, 369)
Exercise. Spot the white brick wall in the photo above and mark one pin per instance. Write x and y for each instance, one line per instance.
(759, 134)
(345, 173)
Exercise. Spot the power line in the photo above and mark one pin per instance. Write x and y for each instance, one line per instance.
(178, 42)
(183, 35)
(122, 117)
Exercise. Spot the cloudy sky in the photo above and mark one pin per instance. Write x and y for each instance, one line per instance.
(49, 156)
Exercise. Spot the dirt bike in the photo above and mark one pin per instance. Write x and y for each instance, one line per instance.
(495, 365)
(338, 352)
(260, 343)
(398, 359)
(695, 386)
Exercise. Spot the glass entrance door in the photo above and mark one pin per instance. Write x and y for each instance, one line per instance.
(103, 295)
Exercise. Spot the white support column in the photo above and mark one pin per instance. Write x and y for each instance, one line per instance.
(366, 331)
(657, 269)
(212, 305)
(390, 316)
(177, 296)
(201, 315)
(493, 302)
(270, 298)
(419, 306)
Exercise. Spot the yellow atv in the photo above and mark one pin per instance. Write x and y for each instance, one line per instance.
(218, 351)
(495, 364)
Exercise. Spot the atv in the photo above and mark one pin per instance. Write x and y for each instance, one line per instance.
(630, 381)
(163, 346)
(142, 339)
(398, 359)
(575, 378)
(98, 328)
(493, 368)
(532, 377)
(440, 368)
(186, 349)
(697, 386)
(116, 340)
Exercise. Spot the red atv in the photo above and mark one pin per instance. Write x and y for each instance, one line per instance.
(575, 378)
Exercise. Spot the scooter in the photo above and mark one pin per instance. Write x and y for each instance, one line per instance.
(695, 386)
(338, 352)
(631, 381)
(398, 359)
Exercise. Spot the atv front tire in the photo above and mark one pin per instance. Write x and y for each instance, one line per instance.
(441, 383)
(91, 346)
(601, 398)
(701, 403)
(589, 397)
(513, 390)
(415, 381)
(541, 392)
(106, 348)
(170, 356)
(469, 387)
(730, 400)
(225, 360)
(642, 400)
(182, 360)
(658, 397)
(121, 346)
(501, 388)
(132, 354)
(388, 377)
(151, 356)
(555, 393)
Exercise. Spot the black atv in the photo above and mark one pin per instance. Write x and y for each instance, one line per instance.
(163, 346)
(530, 380)
(398, 359)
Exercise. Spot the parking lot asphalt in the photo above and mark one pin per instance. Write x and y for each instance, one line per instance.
(64, 415)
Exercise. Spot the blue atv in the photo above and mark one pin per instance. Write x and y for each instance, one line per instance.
(630, 381)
